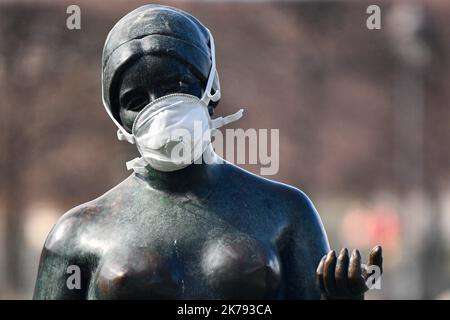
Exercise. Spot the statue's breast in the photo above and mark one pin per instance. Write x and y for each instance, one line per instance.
(228, 267)
(137, 273)
(240, 267)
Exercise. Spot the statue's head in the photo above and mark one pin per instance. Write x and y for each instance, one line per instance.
(151, 52)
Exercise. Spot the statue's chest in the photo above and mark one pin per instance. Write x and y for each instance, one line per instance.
(226, 266)
(183, 247)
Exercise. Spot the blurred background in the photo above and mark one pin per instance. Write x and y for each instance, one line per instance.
(363, 114)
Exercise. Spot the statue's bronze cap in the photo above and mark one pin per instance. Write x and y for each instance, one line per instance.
(153, 29)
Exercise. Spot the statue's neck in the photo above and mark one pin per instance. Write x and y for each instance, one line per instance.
(183, 179)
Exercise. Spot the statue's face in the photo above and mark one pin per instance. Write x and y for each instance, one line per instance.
(152, 77)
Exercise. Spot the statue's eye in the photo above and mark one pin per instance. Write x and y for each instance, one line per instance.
(135, 100)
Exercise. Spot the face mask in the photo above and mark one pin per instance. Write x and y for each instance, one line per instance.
(175, 130)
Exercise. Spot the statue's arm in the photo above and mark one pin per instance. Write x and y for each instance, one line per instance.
(61, 273)
(305, 244)
(316, 272)
(52, 277)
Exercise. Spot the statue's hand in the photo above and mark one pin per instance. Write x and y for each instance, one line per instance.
(343, 277)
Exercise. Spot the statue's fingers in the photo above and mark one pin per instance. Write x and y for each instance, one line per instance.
(328, 273)
(341, 274)
(376, 258)
(357, 285)
(319, 276)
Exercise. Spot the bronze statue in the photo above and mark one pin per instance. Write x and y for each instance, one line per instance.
(207, 231)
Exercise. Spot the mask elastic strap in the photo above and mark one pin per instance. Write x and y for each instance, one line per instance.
(207, 96)
(223, 121)
(125, 136)
(138, 165)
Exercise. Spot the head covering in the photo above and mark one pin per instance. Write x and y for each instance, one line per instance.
(153, 29)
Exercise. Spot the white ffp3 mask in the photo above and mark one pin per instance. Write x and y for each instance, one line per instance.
(173, 131)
